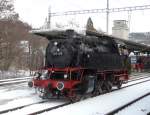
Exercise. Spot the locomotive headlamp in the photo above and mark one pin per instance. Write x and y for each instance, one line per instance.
(55, 43)
(58, 49)
(88, 55)
(60, 86)
(30, 84)
(65, 76)
(44, 74)
(37, 75)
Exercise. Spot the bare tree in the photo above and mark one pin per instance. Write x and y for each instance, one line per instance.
(37, 52)
(12, 32)
(6, 9)
(18, 48)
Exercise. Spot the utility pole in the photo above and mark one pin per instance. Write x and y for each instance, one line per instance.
(107, 15)
(129, 19)
(49, 18)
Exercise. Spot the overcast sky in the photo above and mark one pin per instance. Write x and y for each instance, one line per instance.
(34, 12)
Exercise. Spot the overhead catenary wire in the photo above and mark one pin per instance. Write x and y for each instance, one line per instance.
(104, 10)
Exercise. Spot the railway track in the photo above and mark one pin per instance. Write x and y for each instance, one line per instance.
(139, 73)
(132, 84)
(135, 77)
(111, 113)
(14, 81)
(128, 104)
(21, 80)
(24, 79)
(49, 109)
(20, 107)
(50, 106)
(64, 104)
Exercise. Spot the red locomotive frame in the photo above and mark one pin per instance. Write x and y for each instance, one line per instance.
(68, 87)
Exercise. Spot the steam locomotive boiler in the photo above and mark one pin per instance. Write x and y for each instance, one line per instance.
(78, 65)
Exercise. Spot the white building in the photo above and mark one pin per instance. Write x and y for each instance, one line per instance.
(120, 29)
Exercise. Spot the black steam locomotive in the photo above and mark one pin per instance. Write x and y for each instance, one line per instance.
(83, 51)
(78, 65)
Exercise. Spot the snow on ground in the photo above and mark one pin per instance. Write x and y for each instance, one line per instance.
(20, 102)
(15, 95)
(103, 104)
(13, 74)
(14, 79)
(13, 86)
(141, 107)
(137, 74)
(21, 96)
(9, 96)
(136, 81)
(36, 107)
